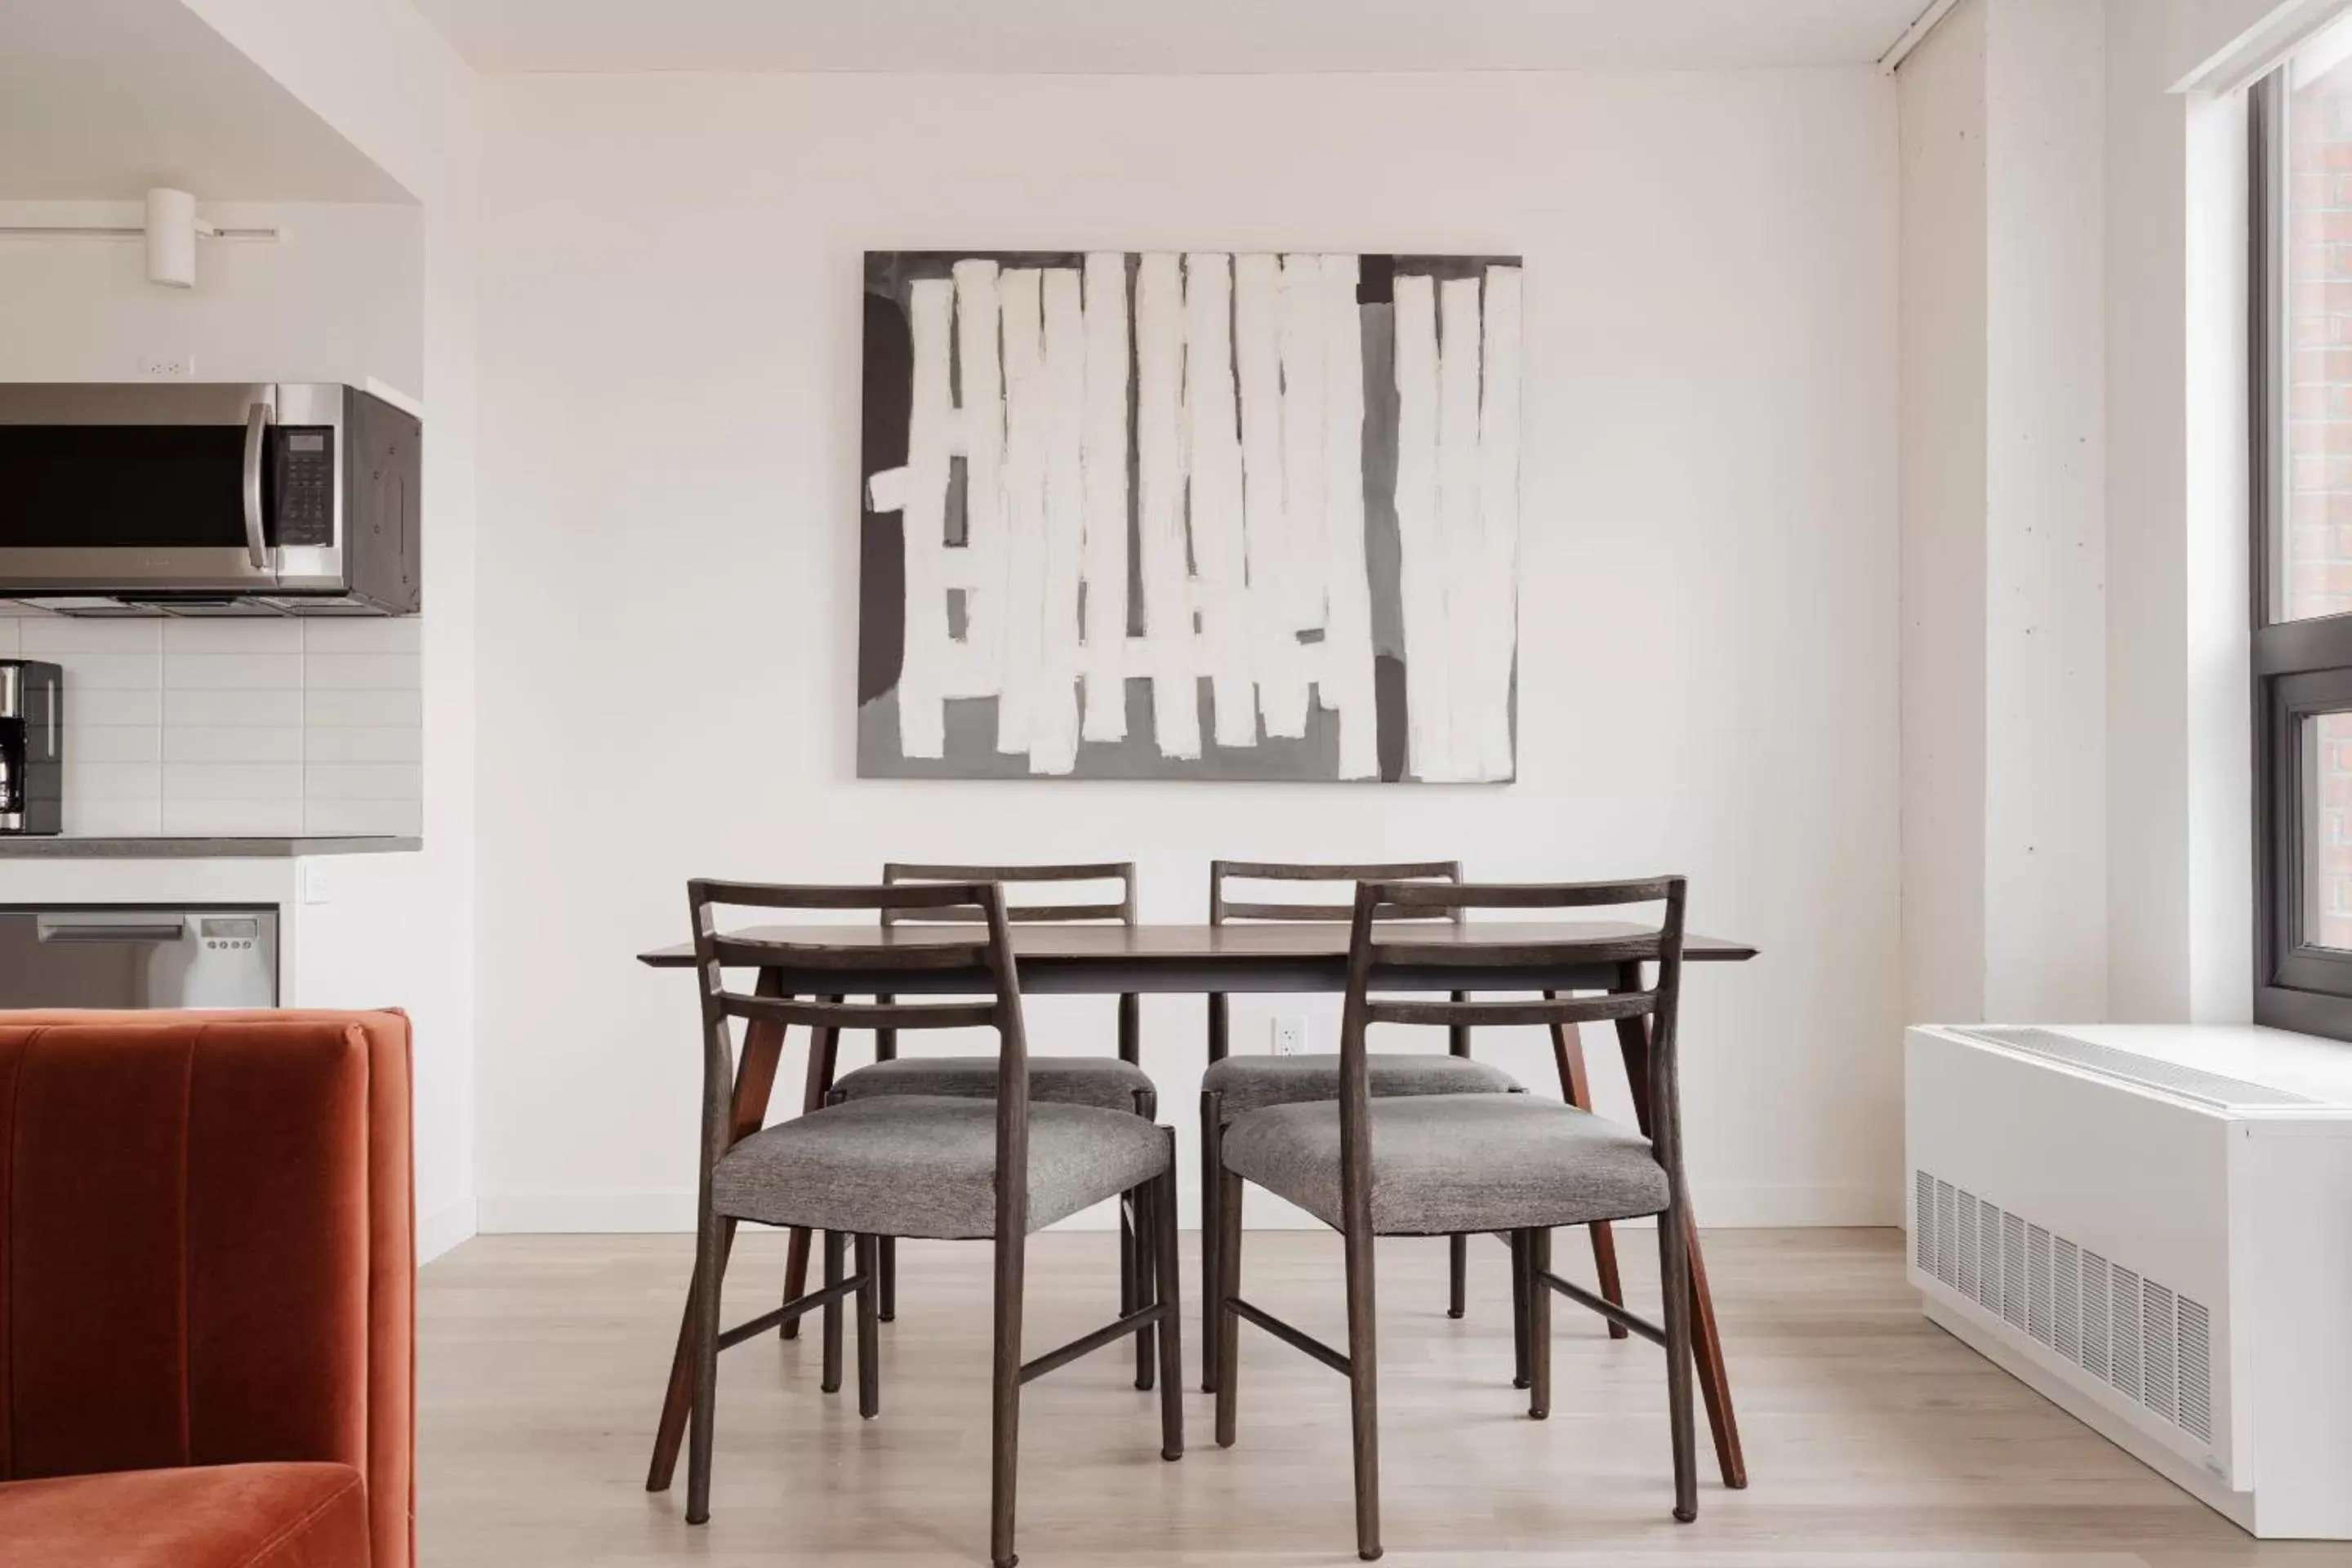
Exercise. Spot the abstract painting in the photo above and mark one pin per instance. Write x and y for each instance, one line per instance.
(1190, 515)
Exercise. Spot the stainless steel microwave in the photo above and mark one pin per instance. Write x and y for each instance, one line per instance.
(288, 498)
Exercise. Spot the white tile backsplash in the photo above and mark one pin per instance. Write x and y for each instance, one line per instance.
(114, 818)
(240, 744)
(243, 709)
(362, 671)
(234, 818)
(233, 671)
(233, 637)
(116, 743)
(112, 781)
(232, 727)
(103, 671)
(233, 781)
(363, 781)
(402, 709)
(362, 743)
(44, 636)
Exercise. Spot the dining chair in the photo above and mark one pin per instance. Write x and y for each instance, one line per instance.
(1114, 1083)
(1231, 1084)
(1450, 1164)
(946, 1167)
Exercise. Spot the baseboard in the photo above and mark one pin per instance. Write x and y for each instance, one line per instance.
(1719, 1208)
(526, 1212)
(443, 1229)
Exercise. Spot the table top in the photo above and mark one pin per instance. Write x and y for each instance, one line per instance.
(1179, 946)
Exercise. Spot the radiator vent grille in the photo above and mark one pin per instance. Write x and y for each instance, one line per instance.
(2145, 1340)
(2196, 1350)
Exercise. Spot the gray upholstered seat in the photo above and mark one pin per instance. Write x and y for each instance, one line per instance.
(1443, 1165)
(925, 1165)
(1104, 1081)
(1250, 1082)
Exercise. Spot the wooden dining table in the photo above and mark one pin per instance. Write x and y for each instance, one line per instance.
(1059, 959)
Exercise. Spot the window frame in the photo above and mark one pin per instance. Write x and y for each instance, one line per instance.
(2299, 668)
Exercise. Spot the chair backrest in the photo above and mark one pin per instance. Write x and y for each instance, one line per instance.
(896, 873)
(1497, 961)
(809, 962)
(1222, 906)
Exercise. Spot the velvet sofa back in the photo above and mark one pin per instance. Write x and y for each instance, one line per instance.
(207, 1247)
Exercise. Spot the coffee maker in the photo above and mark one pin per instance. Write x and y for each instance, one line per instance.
(32, 747)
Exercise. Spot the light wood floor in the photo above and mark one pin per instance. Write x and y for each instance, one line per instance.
(1872, 1438)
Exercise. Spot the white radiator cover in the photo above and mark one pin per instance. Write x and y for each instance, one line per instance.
(2152, 1226)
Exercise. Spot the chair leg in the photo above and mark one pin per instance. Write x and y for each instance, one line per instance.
(1005, 1413)
(1538, 1245)
(1172, 1347)
(869, 1338)
(885, 1267)
(1211, 1160)
(834, 1242)
(1457, 1275)
(1520, 1299)
(709, 1270)
(1143, 1249)
(1363, 1396)
(1229, 1285)
(1674, 1266)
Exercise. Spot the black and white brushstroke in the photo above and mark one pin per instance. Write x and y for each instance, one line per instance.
(1190, 515)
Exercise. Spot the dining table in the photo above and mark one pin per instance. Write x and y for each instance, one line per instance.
(1288, 956)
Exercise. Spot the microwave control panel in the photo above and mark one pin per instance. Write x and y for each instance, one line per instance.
(306, 485)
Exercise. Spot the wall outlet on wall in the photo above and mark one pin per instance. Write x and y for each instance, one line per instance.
(168, 367)
(1291, 1036)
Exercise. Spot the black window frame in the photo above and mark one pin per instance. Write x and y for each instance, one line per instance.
(2299, 668)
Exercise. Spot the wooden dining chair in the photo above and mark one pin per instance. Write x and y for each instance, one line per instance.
(1451, 1164)
(1115, 1083)
(947, 1166)
(1233, 1085)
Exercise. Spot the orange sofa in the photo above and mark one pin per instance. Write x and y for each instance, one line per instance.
(207, 1290)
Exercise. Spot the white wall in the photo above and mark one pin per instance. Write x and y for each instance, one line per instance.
(1944, 369)
(2178, 831)
(669, 472)
(2045, 544)
(2005, 707)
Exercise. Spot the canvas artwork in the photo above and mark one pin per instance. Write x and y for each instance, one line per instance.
(1189, 516)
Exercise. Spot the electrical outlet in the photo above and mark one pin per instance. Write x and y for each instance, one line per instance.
(1289, 1037)
(168, 367)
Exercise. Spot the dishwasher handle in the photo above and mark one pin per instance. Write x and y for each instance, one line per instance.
(70, 930)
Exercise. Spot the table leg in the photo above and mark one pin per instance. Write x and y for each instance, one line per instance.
(824, 1048)
(1576, 1087)
(1706, 1343)
(755, 1080)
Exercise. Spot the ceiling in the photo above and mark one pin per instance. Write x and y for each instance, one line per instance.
(1172, 36)
(102, 99)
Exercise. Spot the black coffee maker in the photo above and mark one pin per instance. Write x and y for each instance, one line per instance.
(32, 747)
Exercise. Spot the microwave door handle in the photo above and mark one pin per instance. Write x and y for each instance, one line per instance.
(257, 426)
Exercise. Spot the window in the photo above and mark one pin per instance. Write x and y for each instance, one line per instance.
(2300, 275)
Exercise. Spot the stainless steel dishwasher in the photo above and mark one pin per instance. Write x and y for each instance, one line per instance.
(130, 955)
